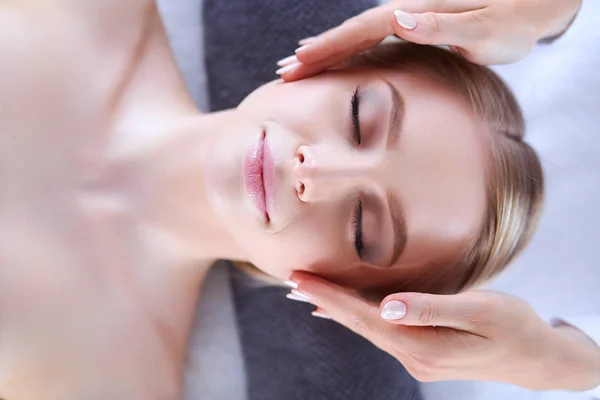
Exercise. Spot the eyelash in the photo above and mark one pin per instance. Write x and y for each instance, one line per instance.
(356, 140)
(357, 225)
(354, 107)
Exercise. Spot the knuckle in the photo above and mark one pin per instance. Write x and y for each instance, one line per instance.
(428, 314)
(396, 352)
(427, 361)
(419, 370)
(434, 22)
(490, 307)
(479, 320)
(358, 324)
(423, 366)
(362, 327)
(480, 315)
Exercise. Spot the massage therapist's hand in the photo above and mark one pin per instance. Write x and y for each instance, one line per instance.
(477, 335)
(484, 31)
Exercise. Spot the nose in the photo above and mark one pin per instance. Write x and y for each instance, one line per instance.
(321, 174)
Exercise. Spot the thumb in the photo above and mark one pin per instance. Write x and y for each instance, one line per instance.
(469, 311)
(454, 29)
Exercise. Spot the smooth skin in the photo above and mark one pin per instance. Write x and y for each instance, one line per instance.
(117, 193)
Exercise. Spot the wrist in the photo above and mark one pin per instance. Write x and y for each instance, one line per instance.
(566, 11)
(576, 360)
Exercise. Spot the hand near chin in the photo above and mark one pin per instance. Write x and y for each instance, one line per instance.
(476, 335)
(484, 31)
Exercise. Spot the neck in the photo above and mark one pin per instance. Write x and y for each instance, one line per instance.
(174, 197)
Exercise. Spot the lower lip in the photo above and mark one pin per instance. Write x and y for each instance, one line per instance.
(259, 177)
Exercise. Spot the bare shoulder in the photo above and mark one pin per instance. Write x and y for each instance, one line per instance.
(75, 25)
(56, 50)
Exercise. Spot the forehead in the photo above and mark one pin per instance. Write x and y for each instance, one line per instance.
(446, 146)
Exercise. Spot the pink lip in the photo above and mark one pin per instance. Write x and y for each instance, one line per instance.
(259, 177)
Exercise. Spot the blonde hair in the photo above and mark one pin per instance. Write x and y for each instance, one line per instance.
(515, 179)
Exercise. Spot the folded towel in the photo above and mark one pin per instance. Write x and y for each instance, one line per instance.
(245, 38)
(292, 355)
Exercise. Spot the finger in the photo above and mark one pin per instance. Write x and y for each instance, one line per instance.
(373, 25)
(345, 307)
(287, 61)
(320, 313)
(299, 70)
(454, 29)
(306, 40)
(470, 311)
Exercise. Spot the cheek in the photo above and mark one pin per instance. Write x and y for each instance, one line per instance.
(310, 108)
(310, 244)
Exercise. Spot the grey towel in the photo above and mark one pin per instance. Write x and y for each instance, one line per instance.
(291, 355)
(245, 38)
(288, 353)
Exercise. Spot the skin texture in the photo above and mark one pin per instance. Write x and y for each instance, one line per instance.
(484, 31)
(475, 335)
(110, 220)
(111, 213)
(440, 153)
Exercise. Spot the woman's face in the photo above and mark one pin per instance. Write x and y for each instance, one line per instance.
(361, 176)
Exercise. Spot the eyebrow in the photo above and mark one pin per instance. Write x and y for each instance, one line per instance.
(398, 227)
(395, 129)
(396, 115)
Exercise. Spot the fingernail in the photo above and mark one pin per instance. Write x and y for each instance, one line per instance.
(288, 60)
(393, 310)
(291, 284)
(287, 69)
(307, 40)
(405, 20)
(302, 48)
(296, 295)
(320, 314)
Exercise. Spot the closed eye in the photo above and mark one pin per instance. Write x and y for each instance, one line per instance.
(357, 227)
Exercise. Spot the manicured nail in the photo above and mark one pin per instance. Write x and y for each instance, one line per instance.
(296, 295)
(287, 68)
(303, 48)
(405, 20)
(291, 284)
(306, 40)
(320, 314)
(288, 60)
(393, 310)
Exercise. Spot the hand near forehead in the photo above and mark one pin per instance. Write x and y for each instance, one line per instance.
(476, 335)
(484, 31)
